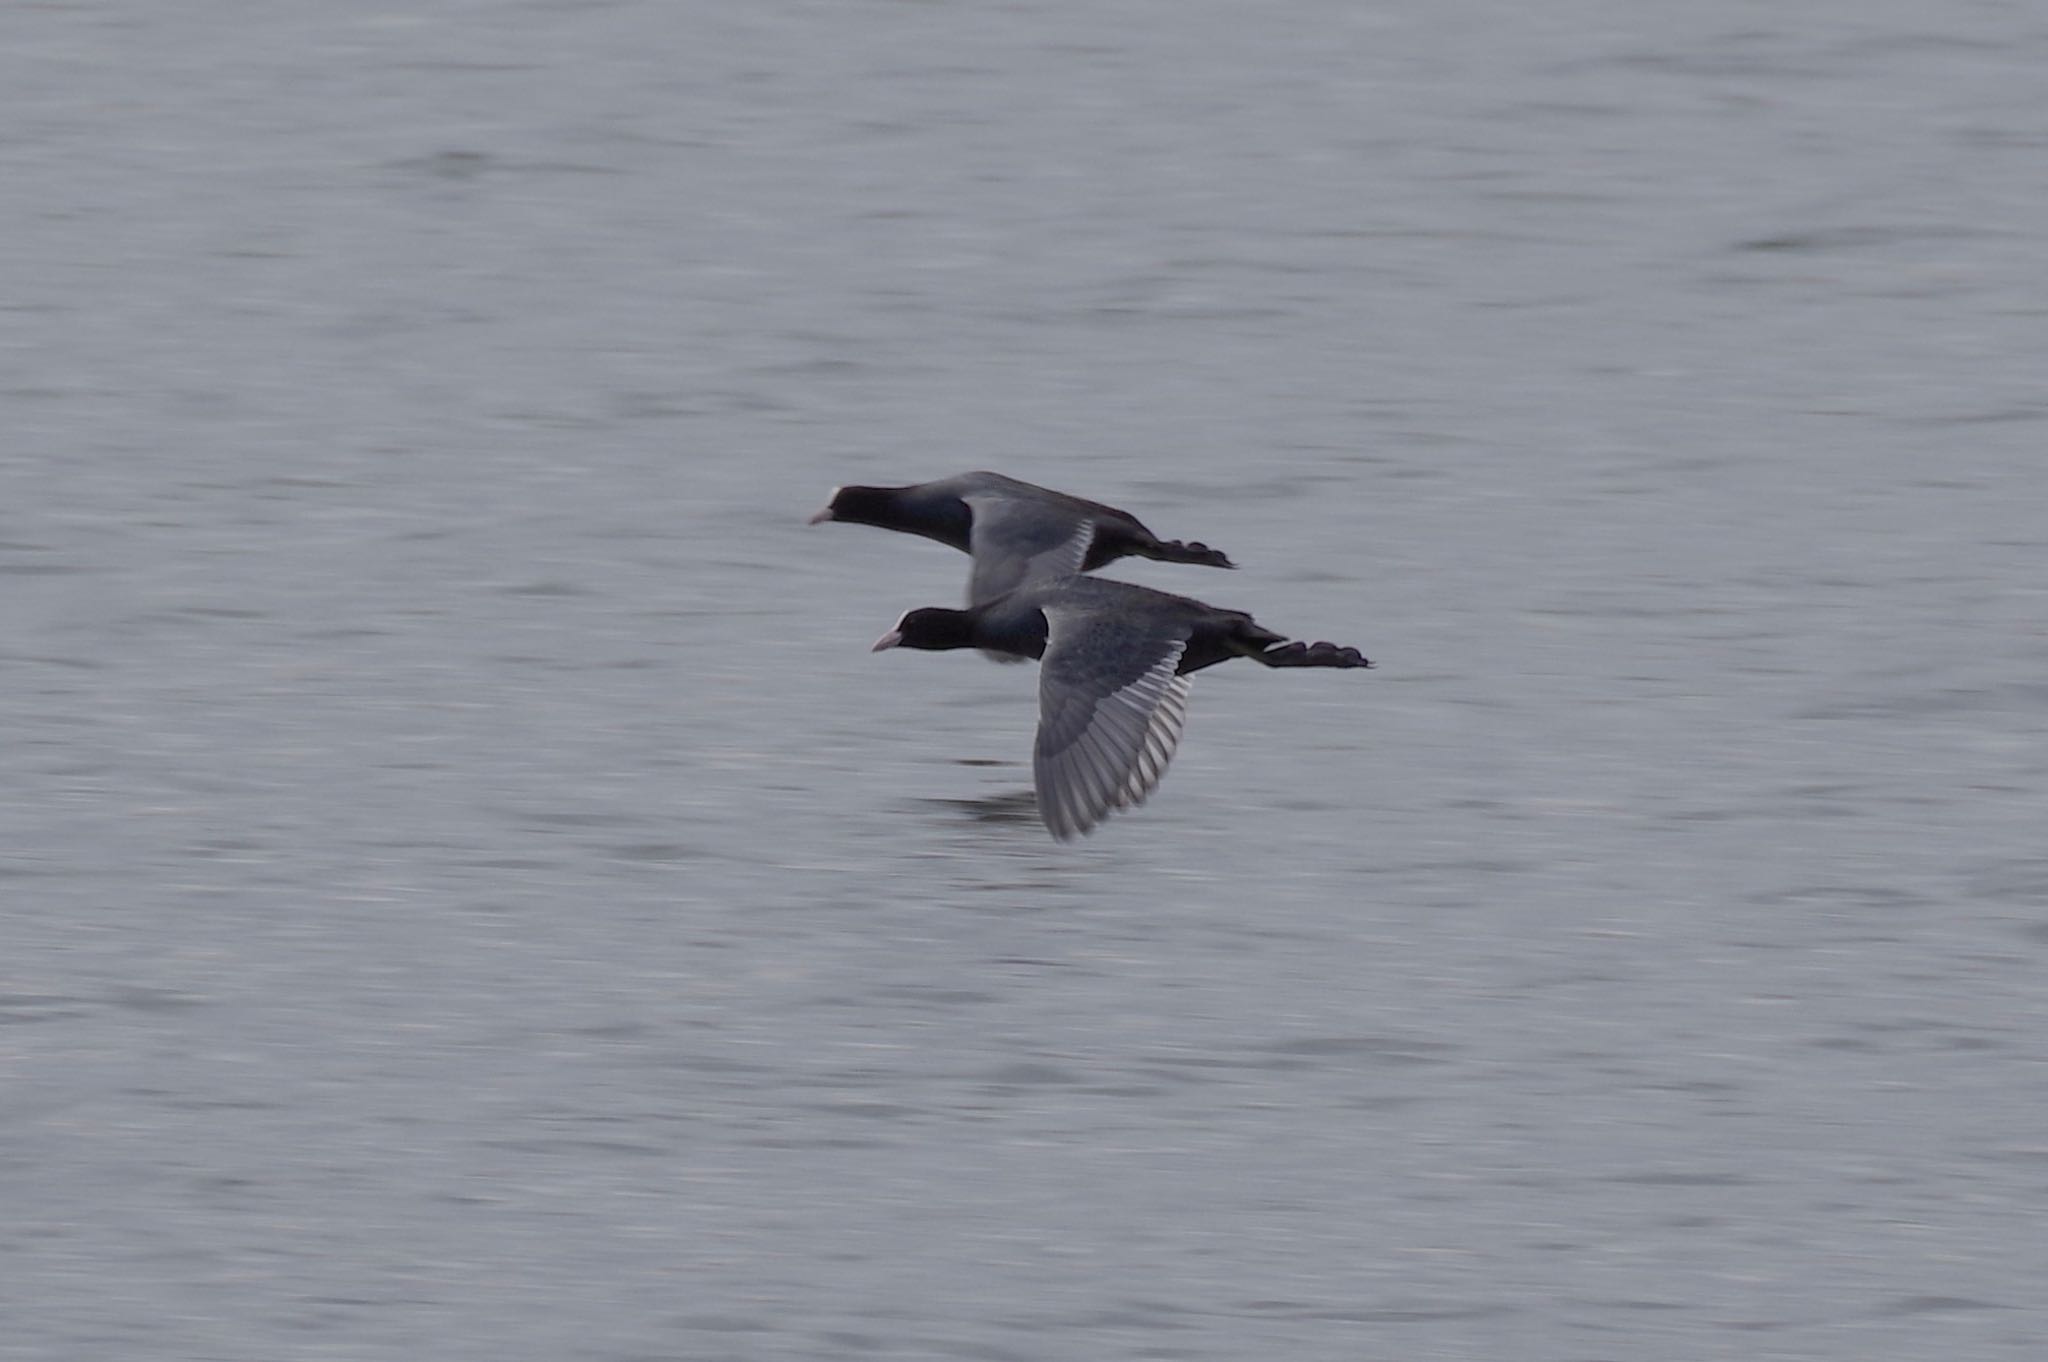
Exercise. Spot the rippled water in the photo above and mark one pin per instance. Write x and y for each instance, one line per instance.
(468, 892)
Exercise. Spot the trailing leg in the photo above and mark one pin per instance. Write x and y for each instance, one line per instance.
(1299, 654)
(1174, 551)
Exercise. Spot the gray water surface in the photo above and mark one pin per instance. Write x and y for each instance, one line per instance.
(467, 892)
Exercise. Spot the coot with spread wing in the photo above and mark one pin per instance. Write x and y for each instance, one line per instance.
(1113, 681)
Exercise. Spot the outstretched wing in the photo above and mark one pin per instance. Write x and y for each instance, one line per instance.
(1017, 541)
(1110, 711)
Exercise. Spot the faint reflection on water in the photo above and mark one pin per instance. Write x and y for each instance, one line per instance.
(1014, 808)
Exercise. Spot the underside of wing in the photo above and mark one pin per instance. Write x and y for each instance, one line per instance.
(1111, 710)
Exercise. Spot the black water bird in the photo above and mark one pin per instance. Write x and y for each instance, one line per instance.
(1113, 682)
(1009, 527)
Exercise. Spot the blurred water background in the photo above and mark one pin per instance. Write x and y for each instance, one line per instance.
(468, 892)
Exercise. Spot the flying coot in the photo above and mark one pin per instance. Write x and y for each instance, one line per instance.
(1009, 527)
(1113, 683)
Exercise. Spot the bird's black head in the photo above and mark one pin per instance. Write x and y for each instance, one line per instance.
(933, 629)
(860, 506)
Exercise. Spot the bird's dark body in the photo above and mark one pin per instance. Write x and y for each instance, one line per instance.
(940, 511)
(1016, 625)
